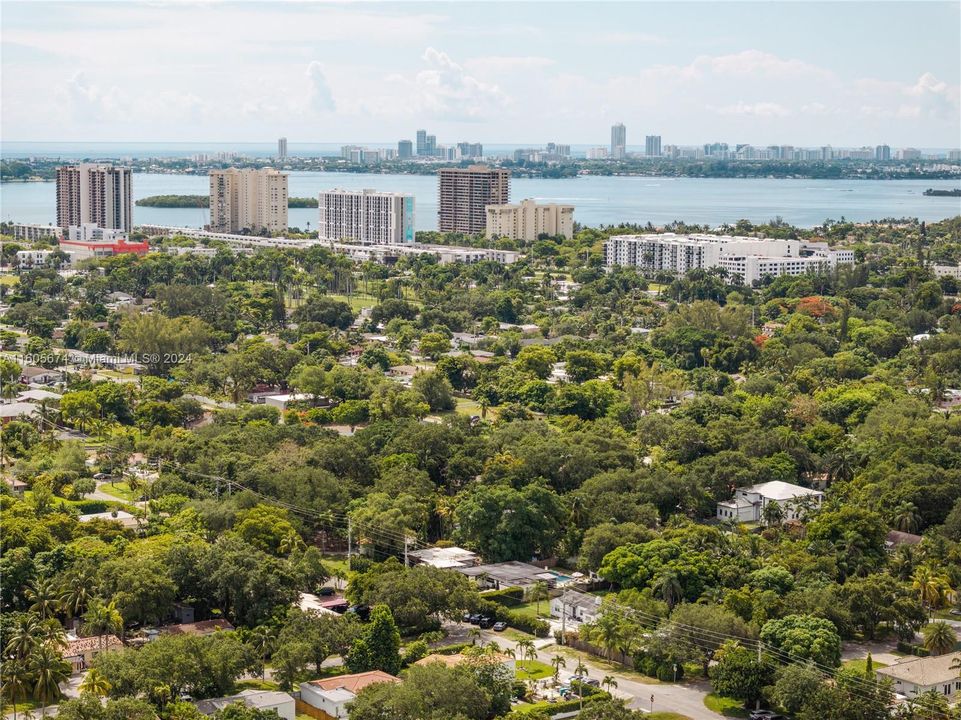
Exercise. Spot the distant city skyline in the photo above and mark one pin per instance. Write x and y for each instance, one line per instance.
(843, 73)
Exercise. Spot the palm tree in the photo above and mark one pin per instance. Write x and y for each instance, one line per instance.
(528, 651)
(580, 671)
(48, 669)
(102, 619)
(931, 588)
(906, 517)
(262, 639)
(535, 593)
(94, 683)
(608, 682)
(473, 634)
(939, 637)
(24, 637)
(75, 594)
(558, 662)
(668, 586)
(15, 677)
(773, 514)
(609, 629)
(43, 595)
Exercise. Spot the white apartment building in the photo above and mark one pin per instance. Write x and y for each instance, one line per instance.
(527, 220)
(948, 271)
(27, 259)
(94, 193)
(248, 199)
(748, 258)
(36, 231)
(366, 216)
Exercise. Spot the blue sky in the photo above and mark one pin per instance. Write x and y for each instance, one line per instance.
(803, 73)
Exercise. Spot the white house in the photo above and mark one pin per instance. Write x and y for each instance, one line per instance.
(748, 503)
(448, 557)
(574, 606)
(919, 675)
(332, 695)
(280, 702)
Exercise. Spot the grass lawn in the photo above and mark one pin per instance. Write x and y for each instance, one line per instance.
(533, 670)
(257, 685)
(9, 280)
(861, 665)
(530, 609)
(358, 301)
(726, 706)
(121, 491)
(516, 635)
(666, 715)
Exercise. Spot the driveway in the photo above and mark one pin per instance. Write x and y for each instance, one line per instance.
(686, 698)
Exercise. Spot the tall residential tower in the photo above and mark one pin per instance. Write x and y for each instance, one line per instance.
(251, 200)
(618, 141)
(95, 194)
(366, 216)
(465, 193)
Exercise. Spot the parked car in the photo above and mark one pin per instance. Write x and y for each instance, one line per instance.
(499, 626)
(486, 622)
(474, 619)
(361, 611)
(327, 591)
(762, 714)
(467, 617)
(101, 476)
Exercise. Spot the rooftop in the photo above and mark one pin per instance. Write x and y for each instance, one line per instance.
(79, 646)
(265, 699)
(924, 671)
(353, 683)
(573, 598)
(778, 490)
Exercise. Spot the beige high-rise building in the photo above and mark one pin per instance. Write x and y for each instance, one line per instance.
(527, 220)
(90, 193)
(465, 194)
(247, 199)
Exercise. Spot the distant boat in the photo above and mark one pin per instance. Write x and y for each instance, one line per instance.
(943, 193)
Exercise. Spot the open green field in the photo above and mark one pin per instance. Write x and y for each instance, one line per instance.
(357, 301)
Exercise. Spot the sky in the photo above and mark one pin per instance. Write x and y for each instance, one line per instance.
(798, 73)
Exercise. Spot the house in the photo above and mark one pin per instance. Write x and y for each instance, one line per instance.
(919, 675)
(11, 411)
(266, 700)
(327, 699)
(38, 396)
(748, 503)
(512, 574)
(30, 375)
(202, 628)
(896, 538)
(448, 557)
(308, 602)
(80, 652)
(456, 659)
(128, 521)
(575, 606)
(287, 399)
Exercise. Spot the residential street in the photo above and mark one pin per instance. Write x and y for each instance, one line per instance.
(686, 698)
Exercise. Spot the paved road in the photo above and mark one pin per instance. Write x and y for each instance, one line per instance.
(686, 698)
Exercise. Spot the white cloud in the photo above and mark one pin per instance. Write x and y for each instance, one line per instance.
(758, 109)
(445, 90)
(88, 101)
(319, 97)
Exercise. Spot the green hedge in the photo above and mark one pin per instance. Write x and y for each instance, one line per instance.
(910, 649)
(563, 706)
(655, 668)
(505, 596)
(525, 623)
(452, 649)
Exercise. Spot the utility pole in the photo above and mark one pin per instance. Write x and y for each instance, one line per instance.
(406, 561)
(349, 533)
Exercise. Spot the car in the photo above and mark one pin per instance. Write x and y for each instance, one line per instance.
(485, 622)
(101, 476)
(475, 619)
(361, 611)
(954, 611)
(762, 714)
(467, 617)
(499, 626)
(327, 591)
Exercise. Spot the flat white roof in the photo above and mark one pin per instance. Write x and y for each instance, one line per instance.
(778, 490)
